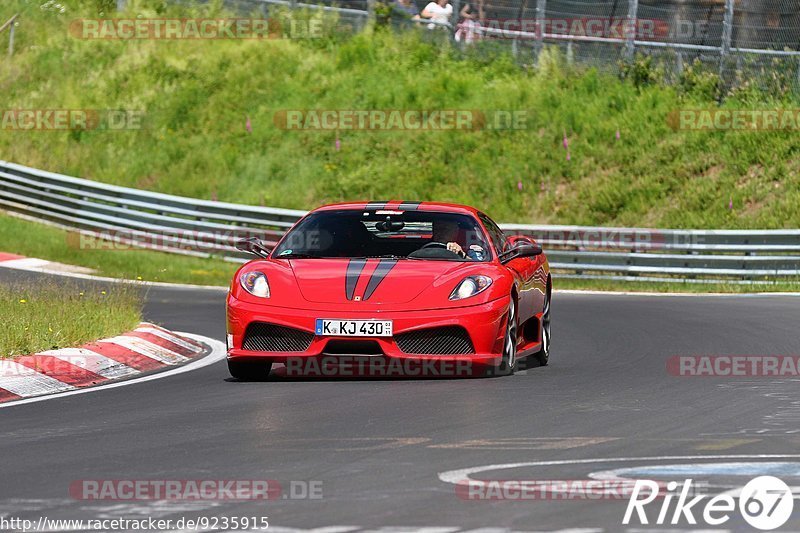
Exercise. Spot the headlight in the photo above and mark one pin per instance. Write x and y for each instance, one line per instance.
(470, 287)
(255, 283)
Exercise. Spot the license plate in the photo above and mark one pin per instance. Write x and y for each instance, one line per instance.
(354, 328)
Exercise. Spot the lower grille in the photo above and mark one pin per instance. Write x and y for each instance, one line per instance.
(448, 340)
(262, 337)
(352, 347)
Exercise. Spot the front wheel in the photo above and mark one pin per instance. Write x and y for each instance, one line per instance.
(543, 355)
(249, 370)
(508, 365)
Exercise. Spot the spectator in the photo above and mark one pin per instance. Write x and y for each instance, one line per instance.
(407, 7)
(469, 29)
(438, 11)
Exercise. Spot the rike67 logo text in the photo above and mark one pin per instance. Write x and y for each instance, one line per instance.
(765, 503)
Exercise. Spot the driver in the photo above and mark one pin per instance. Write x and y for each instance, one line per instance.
(446, 232)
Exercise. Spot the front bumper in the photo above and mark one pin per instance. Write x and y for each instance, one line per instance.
(484, 323)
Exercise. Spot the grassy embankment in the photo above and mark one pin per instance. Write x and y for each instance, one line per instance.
(50, 316)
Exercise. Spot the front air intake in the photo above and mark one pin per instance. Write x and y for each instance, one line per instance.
(263, 337)
(448, 340)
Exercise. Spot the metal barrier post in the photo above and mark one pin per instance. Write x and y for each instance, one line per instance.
(10, 25)
(630, 29)
(456, 13)
(370, 11)
(727, 33)
(11, 40)
(798, 72)
(541, 7)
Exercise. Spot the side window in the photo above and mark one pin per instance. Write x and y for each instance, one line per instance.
(495, 233)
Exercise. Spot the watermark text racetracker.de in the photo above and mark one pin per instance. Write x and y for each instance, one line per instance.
(122, 490)
(71, 119)
(377, 120)
(603, 27)
(734, 119)
(734, 366)
(35, 365)
(136, 29)
(556, 489)
(634, 239)
(203, 241)
(344, 366)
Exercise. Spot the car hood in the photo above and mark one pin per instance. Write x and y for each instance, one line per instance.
(376, 281)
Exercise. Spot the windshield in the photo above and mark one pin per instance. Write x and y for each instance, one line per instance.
(350, 233)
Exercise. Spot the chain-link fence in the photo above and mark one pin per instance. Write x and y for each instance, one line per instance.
(740, 40)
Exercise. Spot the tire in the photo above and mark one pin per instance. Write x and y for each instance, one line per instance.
(249, 370)
(508, 365)
(543, 355)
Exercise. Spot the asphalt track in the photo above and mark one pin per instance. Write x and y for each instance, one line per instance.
(378, 447)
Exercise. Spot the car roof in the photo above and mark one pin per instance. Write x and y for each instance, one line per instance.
(400, 205)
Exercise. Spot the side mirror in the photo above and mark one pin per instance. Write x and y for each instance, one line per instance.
(517, 240)
(253, 245)
(521, 250)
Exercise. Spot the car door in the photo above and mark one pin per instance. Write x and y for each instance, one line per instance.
(532, 289)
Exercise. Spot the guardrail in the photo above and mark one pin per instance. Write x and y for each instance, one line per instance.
(10, 24)
(109, 216)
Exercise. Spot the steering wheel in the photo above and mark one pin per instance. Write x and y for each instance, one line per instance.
(434, 245)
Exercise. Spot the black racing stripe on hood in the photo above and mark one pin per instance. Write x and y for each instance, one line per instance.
(354, 269)
(408, 206)
(381, 271)
(375, 205)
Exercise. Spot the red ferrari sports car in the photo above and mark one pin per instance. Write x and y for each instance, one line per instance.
(404, 282)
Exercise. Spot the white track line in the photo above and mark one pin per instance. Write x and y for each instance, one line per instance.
(218, 353)
(462, 475)
(673, 294)
(26, 263)
(76, 275)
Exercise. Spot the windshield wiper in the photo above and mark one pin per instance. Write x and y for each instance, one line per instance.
(384, 256)
(298, 255)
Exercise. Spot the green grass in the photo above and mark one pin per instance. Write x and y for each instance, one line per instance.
(34, 317)
(197, 96)
(45, 242)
